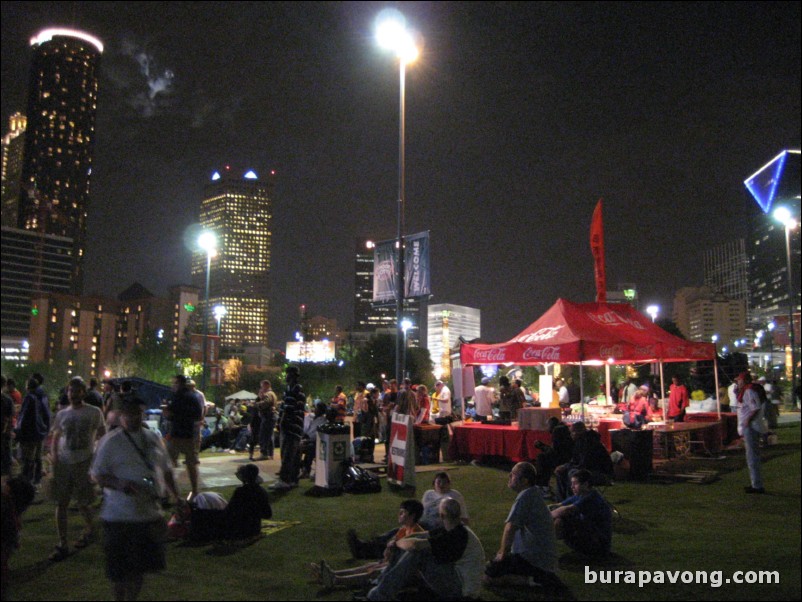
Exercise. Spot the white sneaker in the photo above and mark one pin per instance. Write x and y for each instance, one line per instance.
(281, 485)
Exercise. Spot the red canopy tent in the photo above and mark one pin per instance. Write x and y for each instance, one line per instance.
(589, 333)
(574, 333)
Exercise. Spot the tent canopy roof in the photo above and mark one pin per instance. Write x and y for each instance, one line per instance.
(572, 333)
(241, 396)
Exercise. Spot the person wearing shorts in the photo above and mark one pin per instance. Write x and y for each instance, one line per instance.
(185, 413)
(75, 429)
(133, 468)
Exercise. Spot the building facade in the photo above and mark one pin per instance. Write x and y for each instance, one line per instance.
(238, 208)
(89, 332)
(446, 324)
(700, 313)
(13, 145)
(60, 137)
(726, 271)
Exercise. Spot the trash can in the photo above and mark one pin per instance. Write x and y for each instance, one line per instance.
(333, 448)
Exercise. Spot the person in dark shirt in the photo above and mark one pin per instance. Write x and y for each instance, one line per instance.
(560, 452)
(248, 506)
(33, 424)
(432, 555)
(185, 413)
(584, 520)
(590, 454)
(93, 397)
(291, 425)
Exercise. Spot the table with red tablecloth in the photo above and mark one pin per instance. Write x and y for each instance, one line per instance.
(729, 423)
(604, 427)
(473, 440)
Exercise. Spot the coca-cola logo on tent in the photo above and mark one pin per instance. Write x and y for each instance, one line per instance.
(544, 334)
(543, 354)
(611, 350)
(612, 318)
(498, 354)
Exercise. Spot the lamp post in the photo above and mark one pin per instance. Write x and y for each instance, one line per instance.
(208, 242)
(405, 326)
(783, 215)
(220, 312)
(771, 326)
(393, 35)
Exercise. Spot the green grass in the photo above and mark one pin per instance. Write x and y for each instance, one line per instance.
(664, 527)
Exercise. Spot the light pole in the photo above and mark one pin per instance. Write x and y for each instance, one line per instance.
(405, 326)
(220, 312)
(783, 215)
(771, 326)
(208, 242)
(393, 35)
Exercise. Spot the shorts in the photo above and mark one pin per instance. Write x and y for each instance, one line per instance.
(71, 481)
(133, 548)
(189, 447)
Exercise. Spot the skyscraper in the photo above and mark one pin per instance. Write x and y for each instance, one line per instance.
(60, 136)
(447, 323)
(237, 207)
(726, 270)
(13, 145)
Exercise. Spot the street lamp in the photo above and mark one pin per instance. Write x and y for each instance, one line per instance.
(208, 242)
(783, 215)
(392, 34)
(219, 313)
(653, 310)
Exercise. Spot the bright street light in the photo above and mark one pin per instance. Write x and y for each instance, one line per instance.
(783, 215)
(219, 313)
(392, 34)
(653, 310)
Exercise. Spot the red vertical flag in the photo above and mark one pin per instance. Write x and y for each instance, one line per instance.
(597, 248)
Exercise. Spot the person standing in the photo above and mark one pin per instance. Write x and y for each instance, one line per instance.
(677, 399)
(185, 413)
(291, 425)
(8, 420)
(750, 427)
(134, 469)
(483, 397)
(33, 424)
(443, 407)
(266, 407)
(75, 429)
(93, 397)
(528, 550)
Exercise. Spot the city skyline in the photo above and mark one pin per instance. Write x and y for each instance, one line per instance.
(519, 118)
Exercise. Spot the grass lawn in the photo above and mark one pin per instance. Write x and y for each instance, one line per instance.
(668, 526)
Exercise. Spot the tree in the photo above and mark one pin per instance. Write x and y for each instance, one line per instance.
(154, 359)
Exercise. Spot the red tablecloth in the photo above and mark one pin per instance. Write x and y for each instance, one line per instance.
(604, 427)
(474, 440)
(729, 423)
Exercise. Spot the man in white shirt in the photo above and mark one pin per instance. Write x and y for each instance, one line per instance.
(443, 395)
(75, 429)
(483, 399)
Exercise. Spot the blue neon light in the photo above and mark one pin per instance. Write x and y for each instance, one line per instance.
(251, 176)
(215, 176)
(764, 189)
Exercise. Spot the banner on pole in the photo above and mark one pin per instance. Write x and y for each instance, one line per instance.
(597, 248)
(401, 451)
(417, 272)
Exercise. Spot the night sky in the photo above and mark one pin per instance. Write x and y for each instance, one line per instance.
(519, 118)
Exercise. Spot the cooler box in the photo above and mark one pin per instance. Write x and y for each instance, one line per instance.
(537, 419)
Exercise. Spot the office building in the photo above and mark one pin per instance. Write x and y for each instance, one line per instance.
(726, 271)
(378, 318)
(59, 139)
(446, 324)
(700, 313)
(31, 263)
(237, 208)
(13, 144)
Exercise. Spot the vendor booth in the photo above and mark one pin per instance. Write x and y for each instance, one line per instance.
(587, 334)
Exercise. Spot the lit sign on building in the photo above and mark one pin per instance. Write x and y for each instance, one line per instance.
(310, 351)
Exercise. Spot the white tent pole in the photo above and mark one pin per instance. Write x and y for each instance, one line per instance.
(582, 389)
(607, 383)
(662, 390)
(715, 372)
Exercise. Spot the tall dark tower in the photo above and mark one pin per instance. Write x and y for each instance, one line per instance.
(57, 160)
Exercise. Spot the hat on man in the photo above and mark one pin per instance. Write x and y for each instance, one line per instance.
(370, 386)
(762, 379)
(132, 405)
(485, 381)
(248, 474)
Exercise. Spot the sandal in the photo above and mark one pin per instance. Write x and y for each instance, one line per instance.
(59, 553)
(84, 540)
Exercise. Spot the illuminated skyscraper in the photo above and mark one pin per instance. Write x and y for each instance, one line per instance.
(13, 143)
(57, 160)
(237, 207)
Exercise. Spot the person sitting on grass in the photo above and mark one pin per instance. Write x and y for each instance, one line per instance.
(431, 501)
(584, 521)
(248, 506)
(409, 514)
(17, 495)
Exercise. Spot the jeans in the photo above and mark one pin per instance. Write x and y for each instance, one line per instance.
(290, 459)
(440, 578)
(752, 445)
(32, 460)
(266, 437)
